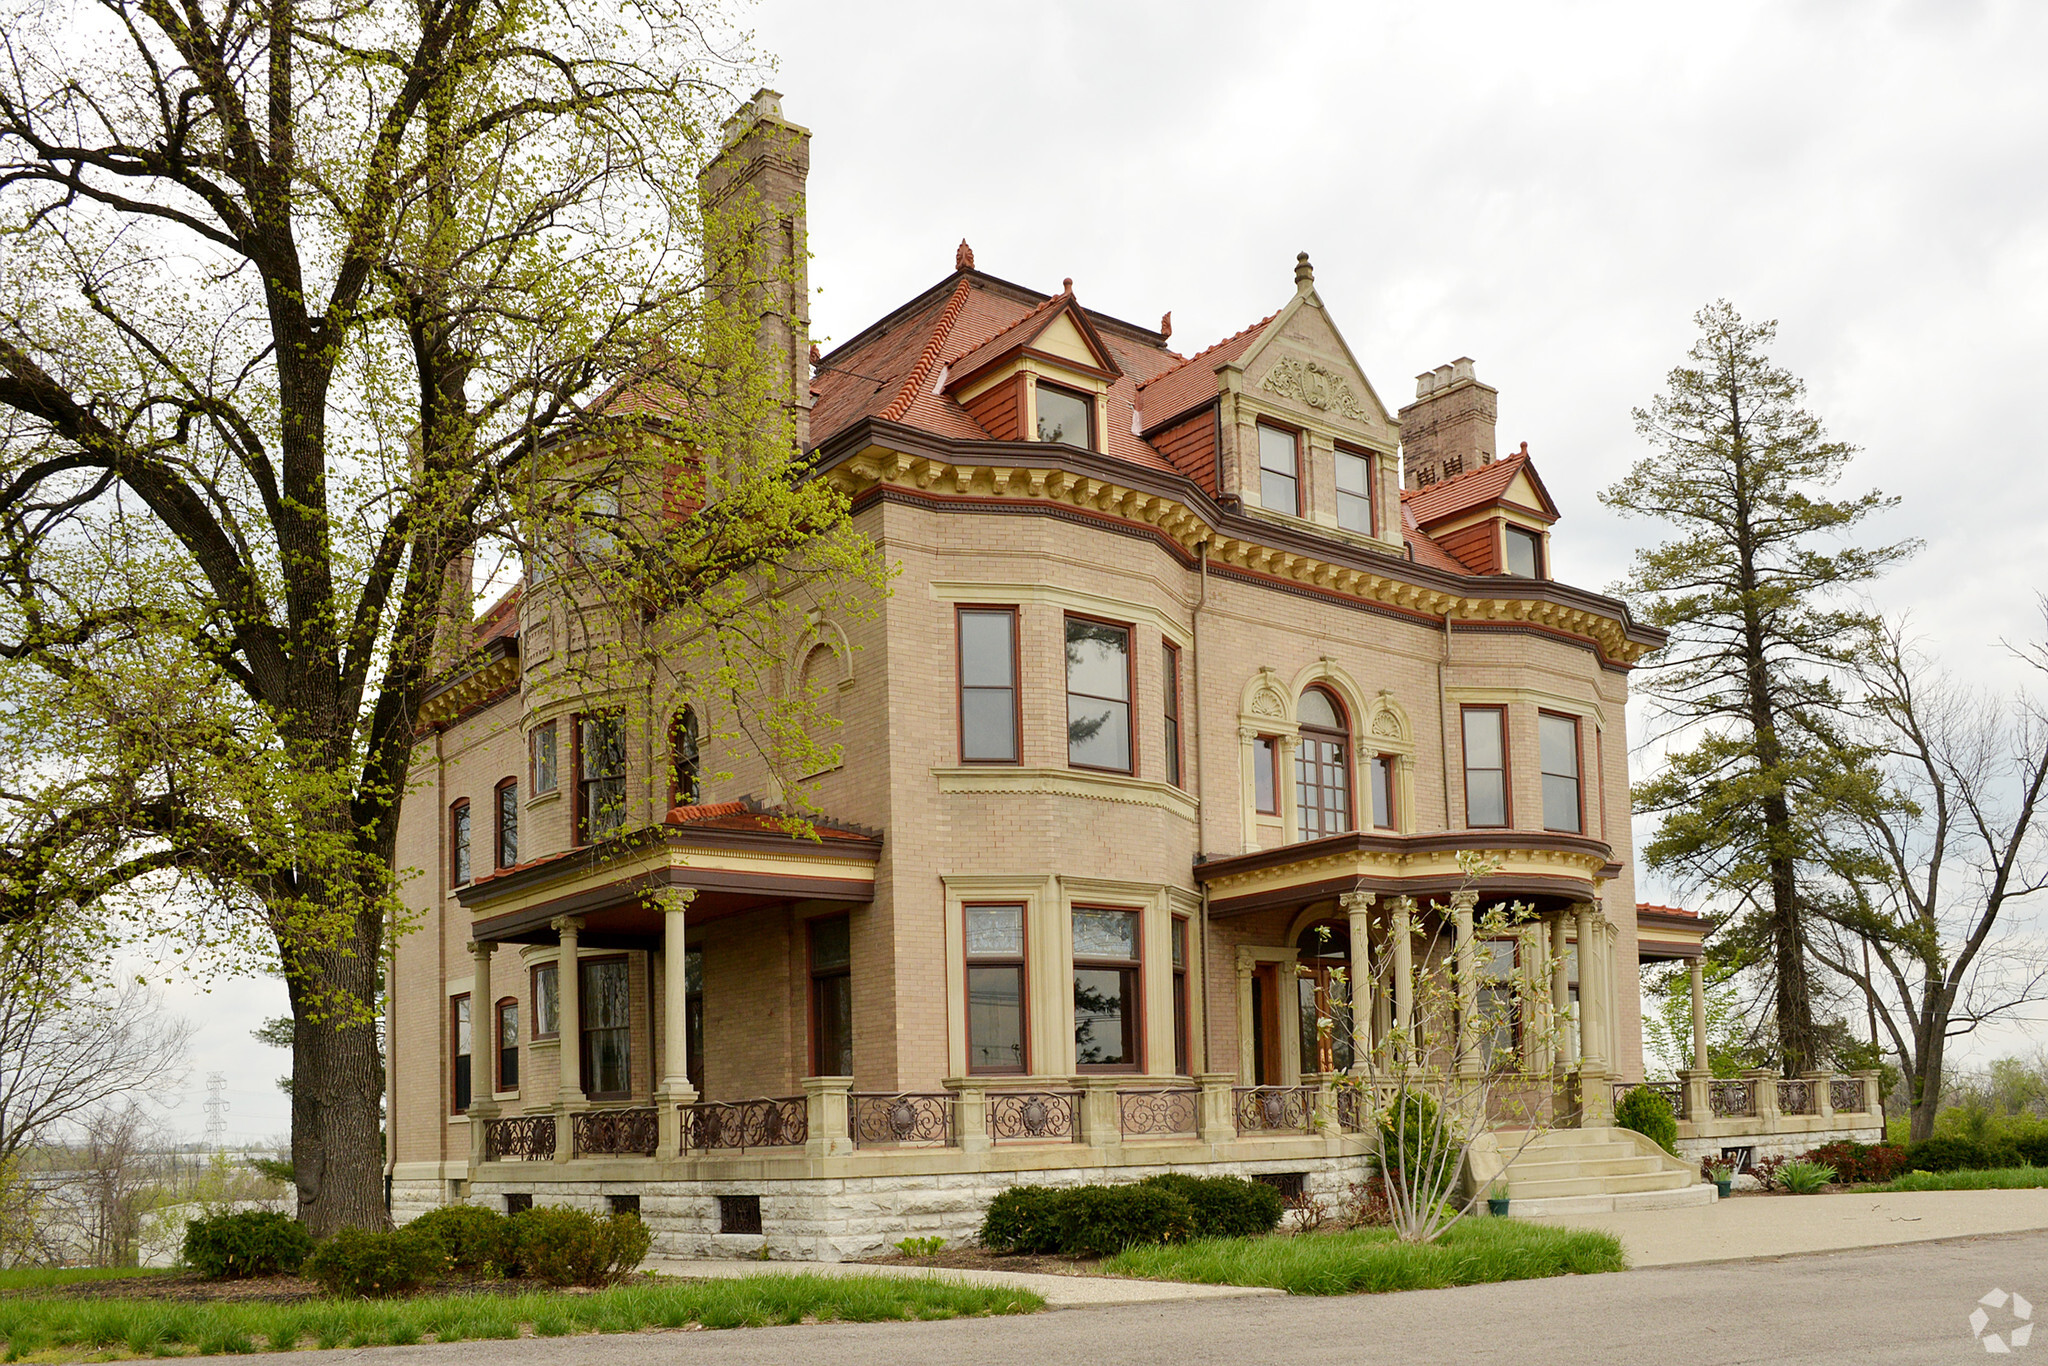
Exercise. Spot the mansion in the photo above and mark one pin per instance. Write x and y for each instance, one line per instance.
(1198, 673)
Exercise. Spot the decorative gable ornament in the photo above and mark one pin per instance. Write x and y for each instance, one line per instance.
(1315, 385)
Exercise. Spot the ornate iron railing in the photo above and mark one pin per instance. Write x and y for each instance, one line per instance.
(1795, 1097)
(1351, 1109)
(1672, 1091)
(1159, 1110)
(905, 1118)
(768, 1122)
(1732, 1099)
(1034, 1116)
(616, 1133)
(521, 1138)
(1273, 1108)
(1845, 1095)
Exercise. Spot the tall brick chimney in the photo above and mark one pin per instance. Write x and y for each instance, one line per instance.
(754, 187)
(1448, 429)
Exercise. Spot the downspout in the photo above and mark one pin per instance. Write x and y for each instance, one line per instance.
(1201, 780)
(1443, 718)
(443, 1031)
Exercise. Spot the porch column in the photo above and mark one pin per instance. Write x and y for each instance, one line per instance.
(483, 1053)
(1247, 1062)
(1596, 1099)
(675, 1089)
(1403, 930)
(1563, 1049)
(568, 997)
(1467, 1055)
(1358, 911)
(1697, 972)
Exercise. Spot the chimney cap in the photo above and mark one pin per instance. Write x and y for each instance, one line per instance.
(765, 104)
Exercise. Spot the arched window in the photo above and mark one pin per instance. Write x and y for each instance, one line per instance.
(508, 823)
(1322, 766)
(683, 756)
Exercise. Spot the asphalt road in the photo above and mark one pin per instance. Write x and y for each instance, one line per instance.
(1908, 1304)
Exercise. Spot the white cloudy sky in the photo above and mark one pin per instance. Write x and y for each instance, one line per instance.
(1552, 189)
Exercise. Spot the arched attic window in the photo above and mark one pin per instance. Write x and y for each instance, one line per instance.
(1322, 765)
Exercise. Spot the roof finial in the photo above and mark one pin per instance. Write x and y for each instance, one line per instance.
(814, 354)
(1304, 273)
(1067, 285)
(963, 256)
(1166, 325)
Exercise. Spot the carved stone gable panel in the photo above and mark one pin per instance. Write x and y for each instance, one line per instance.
(1315, 385)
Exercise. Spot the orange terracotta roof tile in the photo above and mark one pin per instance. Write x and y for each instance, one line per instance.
(499, 620)
(1193, 381)
(1472, 489)
(928, 357)
(1651, 908)
(1424, 551)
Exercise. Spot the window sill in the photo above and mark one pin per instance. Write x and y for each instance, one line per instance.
(551, 1041)
(542, 798)
(512, 1094)
(1067, 782)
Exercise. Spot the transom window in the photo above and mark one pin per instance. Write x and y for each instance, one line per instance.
(1279, 470)
(995, 988)
(988, 685)
(1525, 552)
(601, 786)
(1486, 774)
(1065, 416)
(1322, 767)
(1098, 695)
(1354, 492)
(1105, 988)
(1558, 738)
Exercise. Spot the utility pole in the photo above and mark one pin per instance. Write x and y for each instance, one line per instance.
(216, 1110)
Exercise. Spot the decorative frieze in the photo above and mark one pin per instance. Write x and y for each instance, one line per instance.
(1316, 386)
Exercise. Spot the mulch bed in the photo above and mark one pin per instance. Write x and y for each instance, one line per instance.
(190, 1287)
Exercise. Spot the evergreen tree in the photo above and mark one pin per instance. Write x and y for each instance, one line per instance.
(1755, 589)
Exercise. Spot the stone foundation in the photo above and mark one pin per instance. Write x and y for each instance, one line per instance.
(1781, 1145)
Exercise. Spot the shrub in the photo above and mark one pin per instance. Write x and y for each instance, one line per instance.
(564, 1246)
(364, 1263)
(253, 1243)
(1649, 1113)
(475, 1240)
(1020, 1220)
(1854, 1162)
(1224, 1206)
(1413, 1129)
(1765, 1170)
(1953, 1153)
(1805, 1178)
(1101, 1221)
(2033, 1145)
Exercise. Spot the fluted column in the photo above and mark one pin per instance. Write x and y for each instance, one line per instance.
(1467, 1054)
(1402, 931)
(1358, 912)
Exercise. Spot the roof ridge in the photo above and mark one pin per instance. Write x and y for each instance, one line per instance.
(1207, 349)
(927, 358)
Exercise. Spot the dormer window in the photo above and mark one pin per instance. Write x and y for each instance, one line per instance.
(1354, 492)
(1065, 416)
(1525, 552)
(1279, 470)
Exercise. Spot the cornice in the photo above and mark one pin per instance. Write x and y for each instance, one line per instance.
(483, 680)
(873, 455)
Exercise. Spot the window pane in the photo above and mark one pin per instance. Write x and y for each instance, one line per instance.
(995, 931)
(461, 842)
(508, 825)
(1180, 942)
(1522, 553)
(1267, 798)
(1315, 709)
(608, 1063)
(1560, 803)
(547, 1017)
(985, 650)
(1482, 738)
(1276, 491)
(1353, 471)
(1062, 416)
(1098, 659)
(462, 1026)
(1103, 1007)
(995, 1019)
(1276, 451)
(830, 944)
(1099, 733)
(833, 1005)
(684, 755)
(1382, 793)
(1354, 492)
(606, 998)
(604, 747)
(544, 758)
(988, 723)
(1559, 739)
(1105, 934)
(1486, 801)
(508, 1026)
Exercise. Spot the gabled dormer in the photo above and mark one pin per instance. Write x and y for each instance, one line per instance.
(1495, 519)
(1046, 377)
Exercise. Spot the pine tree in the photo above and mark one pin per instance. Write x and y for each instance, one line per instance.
(1755, 588)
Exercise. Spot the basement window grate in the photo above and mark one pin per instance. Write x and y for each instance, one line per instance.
(515, 1202)
(623, 1204)
(739, 1214)
(1289, 1184)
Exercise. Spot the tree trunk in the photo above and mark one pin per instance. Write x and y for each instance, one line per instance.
(337, 1083)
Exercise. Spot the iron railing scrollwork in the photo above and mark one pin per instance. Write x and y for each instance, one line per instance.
(766, 1122)
(1732, 1099)
(1034, 1116)
(521, 1138)
(1351, 1109)
(1161, 1110)
(1795, 1097)
(617, 1133)
(1845, 1095)
(905, 1118)
(1672, 1091)
(1273, 1108)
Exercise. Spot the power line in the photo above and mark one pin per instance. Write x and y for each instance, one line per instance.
(216, 1110)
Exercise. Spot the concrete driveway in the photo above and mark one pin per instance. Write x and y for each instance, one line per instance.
(1902, 1304)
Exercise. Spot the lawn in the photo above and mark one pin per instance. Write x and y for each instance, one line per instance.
(1997, 1179)
(1473, 1252)
(42, 1277)
(50, 1329)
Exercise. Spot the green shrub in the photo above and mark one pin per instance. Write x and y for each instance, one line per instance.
(365, 1264)
(477, 1241)
(1020, 1220)
(1854, 1162)
(1224, 1206)
(1648, 1112)
(2033, 1145)
(564, 1246)
(1953, 1153)
(1805, 1178)
(231, 1247)
(1413, 1130)
(1101, 1221)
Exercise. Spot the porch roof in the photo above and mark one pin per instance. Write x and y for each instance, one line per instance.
(1543, 866)
(732, 857)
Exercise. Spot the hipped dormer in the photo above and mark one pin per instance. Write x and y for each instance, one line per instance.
(1045, 378)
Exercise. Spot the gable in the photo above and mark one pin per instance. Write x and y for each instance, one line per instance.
(1063, 339)
(1302, 363)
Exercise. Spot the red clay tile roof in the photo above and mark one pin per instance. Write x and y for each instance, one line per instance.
(1645, 906)
(499, 620)
(1478, 488)
(1016, 334)
(745, 815)
(1193, 381)
(1423, 550)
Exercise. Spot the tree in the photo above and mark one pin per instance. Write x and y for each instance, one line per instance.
(300, 310)
(1933, 877)
(1755, 599)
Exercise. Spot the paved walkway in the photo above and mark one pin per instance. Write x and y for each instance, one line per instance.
(1780, 1225)
(1058, 1292)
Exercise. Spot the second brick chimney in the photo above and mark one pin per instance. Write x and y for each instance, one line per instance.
(1448, 429)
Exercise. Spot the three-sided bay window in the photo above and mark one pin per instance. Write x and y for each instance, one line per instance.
(995, 988)
(1486, 767)
(1279, 470)
(1558, 739)
(1098, 695)
(988, 685)
(601, 777)
(1106, 963)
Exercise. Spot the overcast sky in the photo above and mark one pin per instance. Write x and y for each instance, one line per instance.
(1553, 190)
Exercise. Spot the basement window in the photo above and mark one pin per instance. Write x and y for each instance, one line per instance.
(739, 1214)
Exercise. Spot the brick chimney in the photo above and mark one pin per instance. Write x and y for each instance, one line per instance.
(1448, 429)
(755, 188)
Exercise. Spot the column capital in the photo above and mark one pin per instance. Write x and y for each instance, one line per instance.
(1247, 734)
(1245, 961)
(1465, 900)
(482, 948)
(1403, 906)
(1357, 903)
(566, 924)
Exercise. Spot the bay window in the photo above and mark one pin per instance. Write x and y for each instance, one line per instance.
(995, 988)
(1106, 965)
(1098, 695)
(1486, 772)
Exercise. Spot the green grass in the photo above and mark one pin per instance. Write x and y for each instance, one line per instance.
(32, 1327)
(1997, 1179)
(1473, 1252)
(41, 1277)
